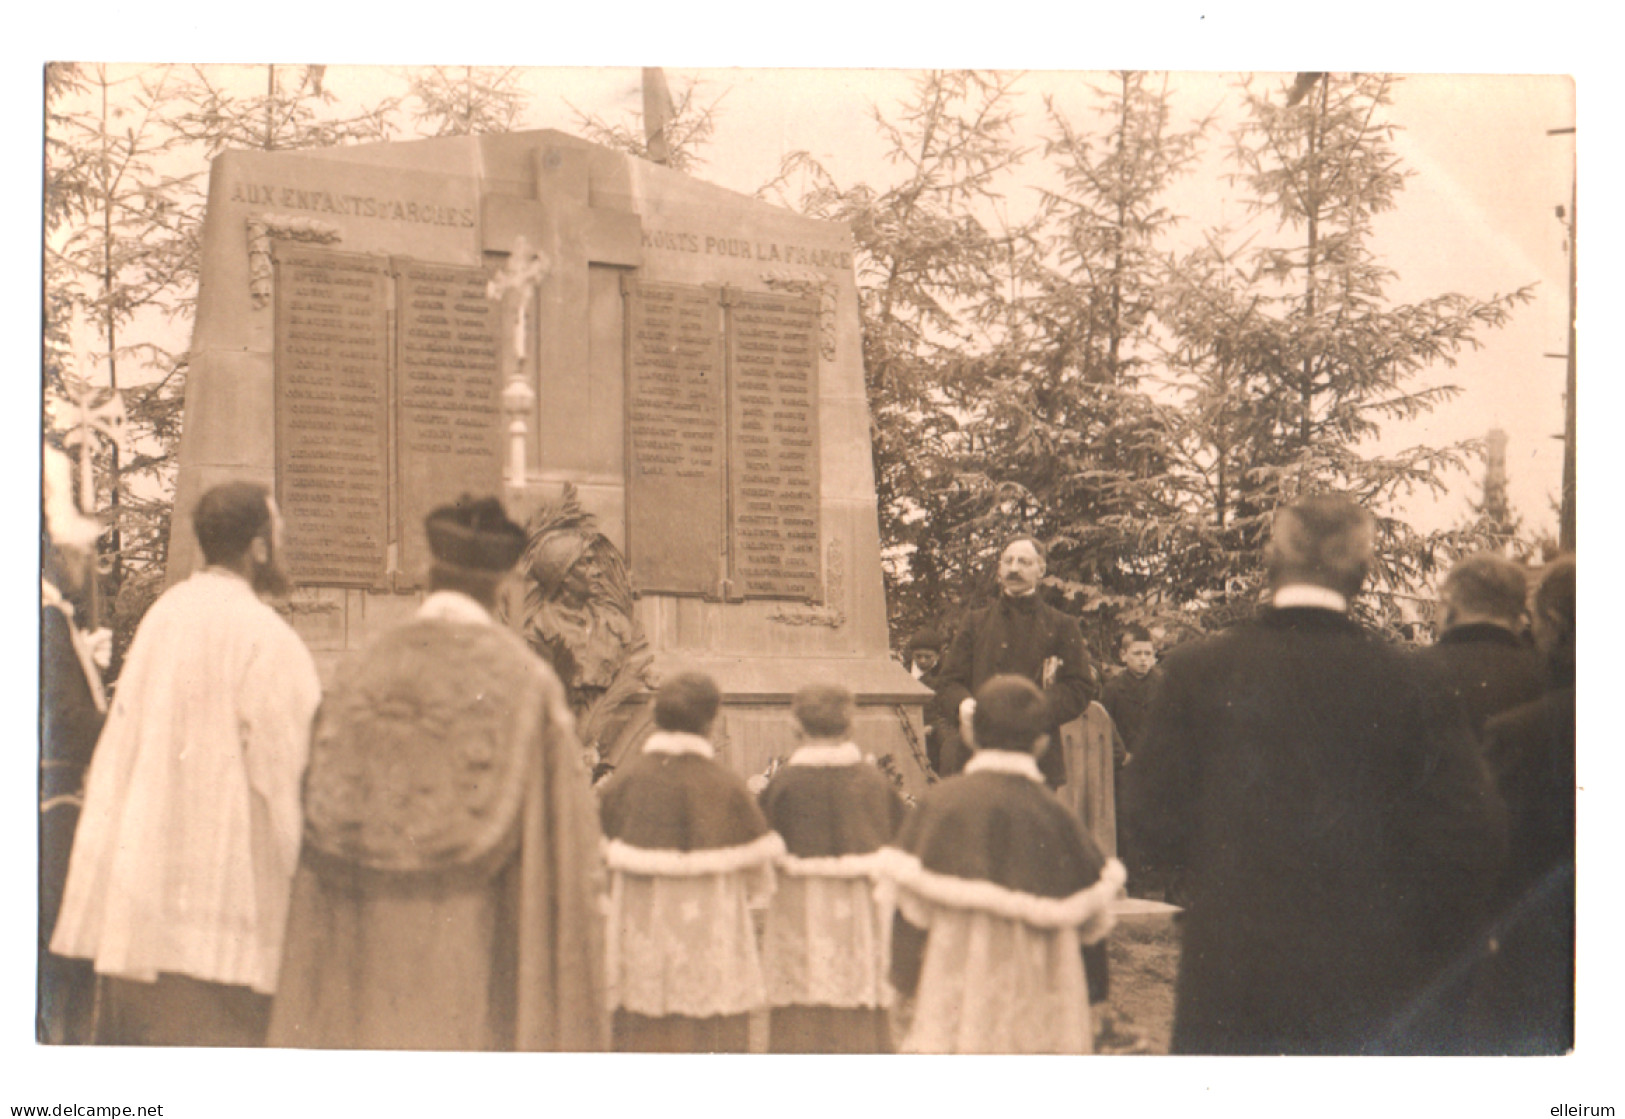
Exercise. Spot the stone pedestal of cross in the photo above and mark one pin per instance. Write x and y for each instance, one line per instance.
(564, 229)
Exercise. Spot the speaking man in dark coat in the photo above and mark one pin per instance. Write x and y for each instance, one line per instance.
(1479, 657)
(1019, 635)
(1337, 822)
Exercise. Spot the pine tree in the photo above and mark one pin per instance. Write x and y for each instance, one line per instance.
(1087, 440)
(689, 129)
(117, 261)
(1291, 355)
(935, 268)
(465, 100)
(295, 110)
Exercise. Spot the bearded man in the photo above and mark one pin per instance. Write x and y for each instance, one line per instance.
(178, 883)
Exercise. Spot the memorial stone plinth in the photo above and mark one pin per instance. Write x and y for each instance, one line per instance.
(697, 369)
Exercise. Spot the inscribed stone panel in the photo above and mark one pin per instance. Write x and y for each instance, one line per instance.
(332, 409)
(675, 447)
(773, 448)
(449, 412)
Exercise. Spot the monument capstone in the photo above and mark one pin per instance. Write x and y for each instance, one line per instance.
(685, 358)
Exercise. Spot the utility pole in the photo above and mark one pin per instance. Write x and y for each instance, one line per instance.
(1567, 514)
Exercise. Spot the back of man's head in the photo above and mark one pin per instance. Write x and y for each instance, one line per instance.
(1010, 715)
(1555, 596)
(1557, 624)
(823, 710)
(1485, 587)
(687, 704)
(228, 517)
(1325, 540)
(474, 546)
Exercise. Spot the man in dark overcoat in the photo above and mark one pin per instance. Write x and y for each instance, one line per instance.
(1529, 984)
(1338, 825)
(1480, 657)
(1018, 635)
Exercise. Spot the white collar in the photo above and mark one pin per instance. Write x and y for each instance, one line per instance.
(826, 752)
(677, 742)
(228, 575)
(50, 596)
(454, 606)
(1307, 594)
(1005, 761)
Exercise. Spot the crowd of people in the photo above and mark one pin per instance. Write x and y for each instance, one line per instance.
(1374, 845)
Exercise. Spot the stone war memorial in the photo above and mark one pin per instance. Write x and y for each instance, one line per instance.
(662, 377)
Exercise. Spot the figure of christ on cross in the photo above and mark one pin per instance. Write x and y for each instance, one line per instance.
(515, 286)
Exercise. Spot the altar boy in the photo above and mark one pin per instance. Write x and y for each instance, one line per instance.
(826, 940)
(689, 855)
(998, 887)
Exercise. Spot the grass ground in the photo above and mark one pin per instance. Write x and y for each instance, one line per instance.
(1144, 960)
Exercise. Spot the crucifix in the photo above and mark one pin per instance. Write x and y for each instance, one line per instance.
(572, 223)
(108, 420)
(515, 287)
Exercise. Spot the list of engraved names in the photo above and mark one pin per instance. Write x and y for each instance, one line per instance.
(774, 457)
(674, 437)
(332, 415)
(675, 400)
(450, 440)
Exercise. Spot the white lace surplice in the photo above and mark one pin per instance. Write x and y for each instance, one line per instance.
(186, 848)
(826, 944)
(684, 944)
(993, 984)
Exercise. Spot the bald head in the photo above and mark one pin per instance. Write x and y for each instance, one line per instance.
(1325, 541)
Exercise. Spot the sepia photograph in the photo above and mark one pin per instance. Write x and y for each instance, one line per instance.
(1033, 561)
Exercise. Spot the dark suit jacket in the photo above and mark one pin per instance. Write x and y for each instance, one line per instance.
(1529, 986)
(1016, 637)
(1127, 699)
(1486, 668)
(1339, 827)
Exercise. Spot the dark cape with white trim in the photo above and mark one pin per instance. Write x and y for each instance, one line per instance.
(1004, 829)
(829, 811)
(680, 803)
(1003, 843)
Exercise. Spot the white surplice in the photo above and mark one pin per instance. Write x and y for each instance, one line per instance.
(186, 848)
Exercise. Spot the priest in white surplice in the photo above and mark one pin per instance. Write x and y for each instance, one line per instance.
(179, 880)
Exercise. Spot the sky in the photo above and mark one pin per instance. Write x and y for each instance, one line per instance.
(1502, 172)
